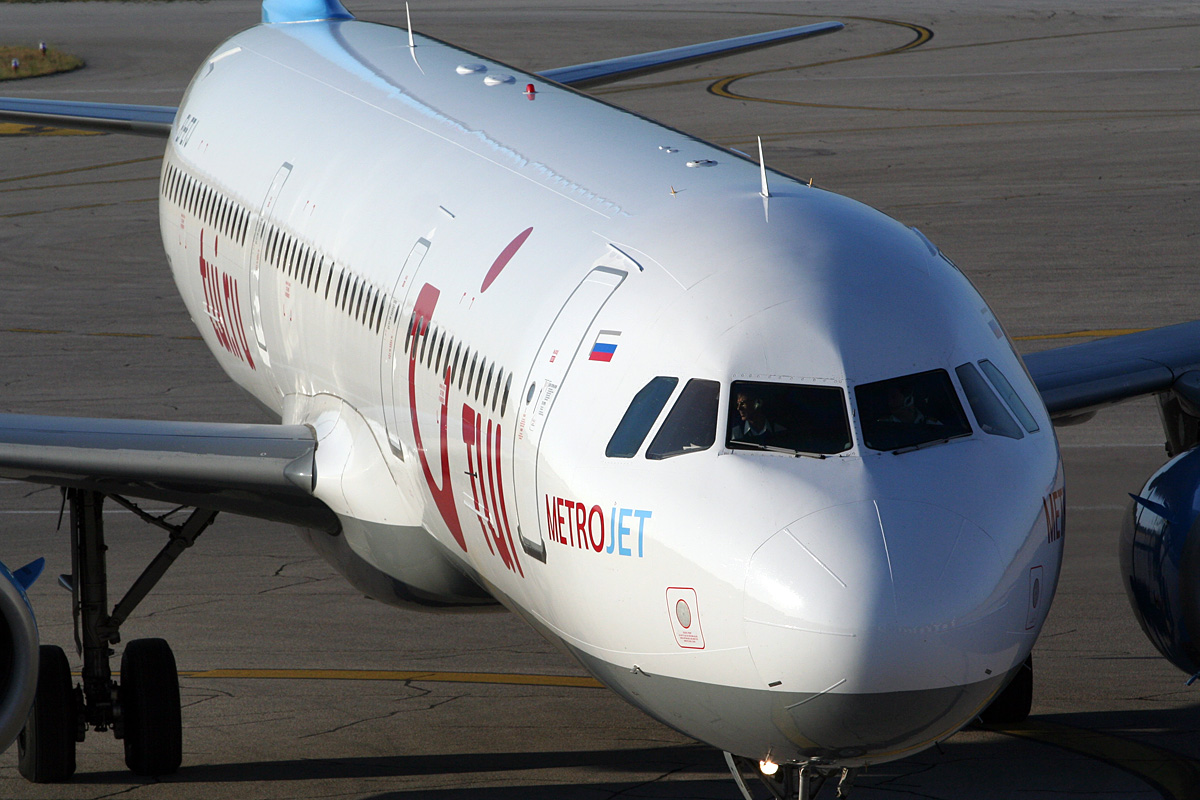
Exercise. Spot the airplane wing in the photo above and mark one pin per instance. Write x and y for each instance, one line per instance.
(106, 117)
(596, 73)
(157, 120)
(1076, 380)
(264, 471)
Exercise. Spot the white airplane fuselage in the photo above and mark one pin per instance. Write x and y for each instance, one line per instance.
(461, 286)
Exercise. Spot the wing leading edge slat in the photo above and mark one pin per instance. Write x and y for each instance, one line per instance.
(264, 471)
(105, 117)
(596, 73)
(1080, 378)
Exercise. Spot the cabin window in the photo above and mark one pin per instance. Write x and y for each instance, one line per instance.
(910, 411)
(639, 418)
(691, 425)
(798, 419)
(479, 380)
(989, 411)
(425, 343)
(496, 391)
(433, 340)
(504, 398)
(1009, 395)
(412, 331)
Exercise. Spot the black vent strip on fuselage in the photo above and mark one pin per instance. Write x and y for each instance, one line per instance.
(436, 350)
(355, 296)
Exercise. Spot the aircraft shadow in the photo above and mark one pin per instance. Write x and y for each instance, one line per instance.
(693, 771)
(695, 757)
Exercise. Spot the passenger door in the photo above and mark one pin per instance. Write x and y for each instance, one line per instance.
(257, 248)
(559, 350)
(393, 369)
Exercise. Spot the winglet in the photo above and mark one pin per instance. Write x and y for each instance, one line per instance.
(277, 11)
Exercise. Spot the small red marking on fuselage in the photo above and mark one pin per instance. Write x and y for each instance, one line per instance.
(223, 306)
(505, 256)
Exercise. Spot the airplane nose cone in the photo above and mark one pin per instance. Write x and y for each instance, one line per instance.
(890, 619)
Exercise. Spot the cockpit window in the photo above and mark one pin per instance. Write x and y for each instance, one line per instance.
(989, 411)
(691, 426)
(639, 417)
(789, 418)
(1009, 395)
(910, 411)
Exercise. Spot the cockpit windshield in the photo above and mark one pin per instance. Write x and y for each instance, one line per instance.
(910, 411)
(789, 418)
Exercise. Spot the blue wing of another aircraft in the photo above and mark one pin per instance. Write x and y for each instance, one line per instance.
(1078, 379)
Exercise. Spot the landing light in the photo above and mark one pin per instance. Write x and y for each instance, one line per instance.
(768, 767)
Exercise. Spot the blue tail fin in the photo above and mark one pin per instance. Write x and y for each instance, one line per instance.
(274, 11)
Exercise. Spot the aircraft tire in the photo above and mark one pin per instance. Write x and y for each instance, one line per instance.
(46, 745)
(149, 696)
(1014, 703)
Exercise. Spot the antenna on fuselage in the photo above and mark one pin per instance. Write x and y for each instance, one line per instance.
(762, 170)
(412, 45)
(765, 192)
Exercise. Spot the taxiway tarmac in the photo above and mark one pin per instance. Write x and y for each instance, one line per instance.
(1052, 155)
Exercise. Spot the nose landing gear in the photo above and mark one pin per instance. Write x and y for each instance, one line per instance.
(790, 781)
(144, 708)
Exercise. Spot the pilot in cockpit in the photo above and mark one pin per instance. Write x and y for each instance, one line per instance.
(902, 408)
(755, 427)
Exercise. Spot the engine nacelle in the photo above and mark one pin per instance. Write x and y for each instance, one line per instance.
(1160, 559)
(18, 651)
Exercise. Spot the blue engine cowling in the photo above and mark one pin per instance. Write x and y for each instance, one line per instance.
(18, 650)
(1160, 559)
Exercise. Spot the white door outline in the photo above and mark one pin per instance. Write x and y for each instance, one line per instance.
(393, 370)
(256, 258)
(559, 350)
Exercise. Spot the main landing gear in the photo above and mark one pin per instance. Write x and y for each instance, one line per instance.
(789, 781)
(143, 709)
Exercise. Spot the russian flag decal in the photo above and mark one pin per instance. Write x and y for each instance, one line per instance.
(605, 346)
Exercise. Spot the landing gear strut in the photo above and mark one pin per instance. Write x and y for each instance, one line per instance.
(143, 709)
(790, 781)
